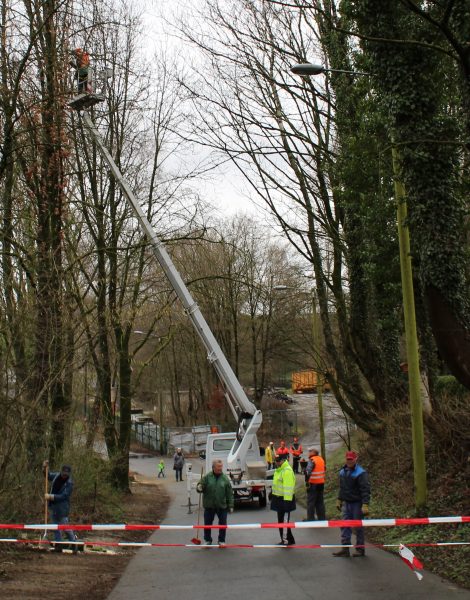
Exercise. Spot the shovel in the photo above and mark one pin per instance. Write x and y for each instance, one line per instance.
(196, 540)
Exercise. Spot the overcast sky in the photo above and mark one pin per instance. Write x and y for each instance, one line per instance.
(227, 190)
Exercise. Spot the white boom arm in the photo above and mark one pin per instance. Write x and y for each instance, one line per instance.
(245, 412)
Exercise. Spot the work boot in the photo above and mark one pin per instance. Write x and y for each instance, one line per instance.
(57, 547)
(76, 548)
(344, 552)
(358, 552)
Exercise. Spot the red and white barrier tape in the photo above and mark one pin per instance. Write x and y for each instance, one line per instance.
(293, 525)
(154, 545)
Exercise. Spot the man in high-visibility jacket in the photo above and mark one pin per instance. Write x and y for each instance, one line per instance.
(269, 455)
(283, 497)
(315, 480)
(296, 451)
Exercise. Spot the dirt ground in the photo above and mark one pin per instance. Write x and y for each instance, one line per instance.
(28, 572)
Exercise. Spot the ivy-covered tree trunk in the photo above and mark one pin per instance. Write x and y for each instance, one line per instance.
(48, 185)
(411, 81)
(369, 322)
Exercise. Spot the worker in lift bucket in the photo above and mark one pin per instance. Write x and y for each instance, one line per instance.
(81, 64)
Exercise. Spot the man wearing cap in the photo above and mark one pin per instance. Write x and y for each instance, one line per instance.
(269, 455)
(353, 501)
(296, 451)
(283, 496)
(315, 479)
(59, 502)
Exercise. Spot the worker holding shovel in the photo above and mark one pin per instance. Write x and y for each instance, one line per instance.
(217, 499)
(59, 503)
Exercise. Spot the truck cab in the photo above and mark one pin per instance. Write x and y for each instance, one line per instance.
(251, 485)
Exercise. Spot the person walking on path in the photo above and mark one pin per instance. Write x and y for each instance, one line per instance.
(282, 450)
(178, 463)
(283, 497)
(161, 469)
(315, 480)
(59, 503)
(269, 455)
(296, 451)
(217, 499)
(353, 501)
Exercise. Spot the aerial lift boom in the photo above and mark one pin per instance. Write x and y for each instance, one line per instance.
(249, 418)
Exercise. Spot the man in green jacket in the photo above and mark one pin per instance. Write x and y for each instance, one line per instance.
(217, 500)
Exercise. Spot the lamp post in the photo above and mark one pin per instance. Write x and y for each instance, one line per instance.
(319, 375)
(412, 353)
(317, 341)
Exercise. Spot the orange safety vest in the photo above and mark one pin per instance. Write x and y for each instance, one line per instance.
(318, 473)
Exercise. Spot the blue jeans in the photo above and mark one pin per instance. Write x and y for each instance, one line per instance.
(209, 516)
(352, 510)
(315, 502)
(58, 533)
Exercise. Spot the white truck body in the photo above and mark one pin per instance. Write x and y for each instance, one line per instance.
(249, 481)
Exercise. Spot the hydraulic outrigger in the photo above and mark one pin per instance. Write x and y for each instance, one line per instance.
(249, 418)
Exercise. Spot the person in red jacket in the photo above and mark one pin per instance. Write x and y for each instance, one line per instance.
(296, 451)
(283, 450)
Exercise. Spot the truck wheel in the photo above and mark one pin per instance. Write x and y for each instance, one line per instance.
(262, 500)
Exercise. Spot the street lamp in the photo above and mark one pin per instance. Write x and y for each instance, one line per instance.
(319, 374)
(414, 383)
(307, 69)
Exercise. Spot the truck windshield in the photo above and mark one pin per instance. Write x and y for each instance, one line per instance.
(224, 445)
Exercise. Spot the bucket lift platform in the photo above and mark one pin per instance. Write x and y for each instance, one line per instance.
(85, 101)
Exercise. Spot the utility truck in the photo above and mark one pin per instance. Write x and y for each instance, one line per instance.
(249, 484)
(239, 450)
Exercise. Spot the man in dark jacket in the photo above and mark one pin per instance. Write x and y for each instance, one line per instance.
(59, 503)
(217, 500)
(178, 463)
(353, 500)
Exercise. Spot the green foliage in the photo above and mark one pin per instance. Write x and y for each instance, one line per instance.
(447, 385)
(412, 82)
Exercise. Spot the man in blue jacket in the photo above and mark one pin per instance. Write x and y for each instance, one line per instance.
(353, 501)
(59, 503)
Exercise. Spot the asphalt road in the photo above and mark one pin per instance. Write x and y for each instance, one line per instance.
(306, 407)
(200, 573)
